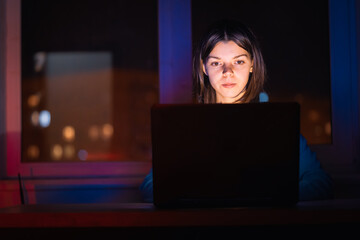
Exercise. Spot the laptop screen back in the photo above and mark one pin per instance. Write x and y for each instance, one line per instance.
(225, 154)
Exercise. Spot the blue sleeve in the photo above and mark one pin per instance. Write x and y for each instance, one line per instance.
(146, 187)
(314, 182)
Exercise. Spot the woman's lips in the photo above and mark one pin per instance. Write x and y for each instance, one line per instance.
(228, 85)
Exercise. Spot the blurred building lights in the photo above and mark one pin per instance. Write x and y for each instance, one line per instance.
(314, 115)
(69, 151)
(107, 131)
(328, 128)
(44, 118)
(68, 133)
(57, 152)
(94, 132)
(35, 118)
(82, 154)
(33, 152)
(33, 100)
(39, 61)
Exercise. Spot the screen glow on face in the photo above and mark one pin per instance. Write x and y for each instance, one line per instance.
(228, 67)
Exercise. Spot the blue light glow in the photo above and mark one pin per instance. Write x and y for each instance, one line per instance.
(44, 118)
(82, 154)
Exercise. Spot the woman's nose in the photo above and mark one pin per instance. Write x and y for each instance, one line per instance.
(227, 70)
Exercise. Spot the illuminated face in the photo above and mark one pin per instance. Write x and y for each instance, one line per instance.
(228, 67)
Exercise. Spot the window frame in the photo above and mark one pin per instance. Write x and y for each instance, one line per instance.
(175, 40)
(343, 153)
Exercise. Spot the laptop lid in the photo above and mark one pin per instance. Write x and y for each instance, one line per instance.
(225, 155)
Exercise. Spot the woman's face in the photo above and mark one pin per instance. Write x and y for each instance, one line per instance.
(228, 67)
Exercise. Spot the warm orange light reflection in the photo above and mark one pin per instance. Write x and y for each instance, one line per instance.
(35, 118)
(314, 115)
(33, 152)
(69, 151)
(69, 133)
(107, 131)
(33, 100)
(94, 133)
(328, 128)
(57, 152)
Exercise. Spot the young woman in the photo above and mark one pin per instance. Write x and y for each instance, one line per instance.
(229, 68)
(228, 65)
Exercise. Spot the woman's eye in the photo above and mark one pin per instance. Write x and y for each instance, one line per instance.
(215, 64)
(239, 62)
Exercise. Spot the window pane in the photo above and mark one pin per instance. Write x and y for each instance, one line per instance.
(89, 78)
(294, 38)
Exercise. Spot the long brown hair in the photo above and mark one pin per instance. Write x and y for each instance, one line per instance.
(228, 30)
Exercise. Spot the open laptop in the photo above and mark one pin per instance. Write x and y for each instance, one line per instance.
(225, 155)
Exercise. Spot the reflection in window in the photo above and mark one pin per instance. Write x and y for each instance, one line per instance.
(294, 38)
(89, 78)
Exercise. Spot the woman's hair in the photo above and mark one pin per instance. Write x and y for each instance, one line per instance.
(228, 30)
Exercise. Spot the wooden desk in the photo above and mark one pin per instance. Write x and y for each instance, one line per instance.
(143, 220)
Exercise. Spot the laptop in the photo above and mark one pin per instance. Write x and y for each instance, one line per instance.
(225, 155)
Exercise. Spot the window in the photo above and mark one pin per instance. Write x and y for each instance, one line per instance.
(174, 19)
(89, 78)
